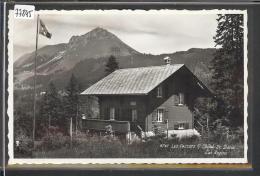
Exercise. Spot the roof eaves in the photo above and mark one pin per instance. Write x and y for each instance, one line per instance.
(164, 79)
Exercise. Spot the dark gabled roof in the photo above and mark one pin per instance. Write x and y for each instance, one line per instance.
(132, 81)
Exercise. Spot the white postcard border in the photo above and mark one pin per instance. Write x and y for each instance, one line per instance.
(13, 160)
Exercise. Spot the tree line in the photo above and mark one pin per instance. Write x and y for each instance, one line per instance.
(56, 110)
(226, 109)
(55, 107)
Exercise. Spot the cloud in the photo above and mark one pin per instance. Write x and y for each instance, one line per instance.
(145, 31)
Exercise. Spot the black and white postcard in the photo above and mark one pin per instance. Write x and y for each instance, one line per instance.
(127, 86)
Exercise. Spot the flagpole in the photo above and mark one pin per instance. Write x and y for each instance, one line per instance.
(71, 131)
(34, 81)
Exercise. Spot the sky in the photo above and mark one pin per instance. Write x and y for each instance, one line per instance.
(153, 32)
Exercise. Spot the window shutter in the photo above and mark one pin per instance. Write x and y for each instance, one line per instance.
(117, 115)
(175, 126)
(107, 114)
(154, 114)
(165, 115)
(129, 112)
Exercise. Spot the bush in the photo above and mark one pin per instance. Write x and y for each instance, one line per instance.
(157, 138)
(190, 139)
(158, 130)
(22, 146)
(85, 145)
(219, 134)
(54, 140)
(236, 136)
(99, 146)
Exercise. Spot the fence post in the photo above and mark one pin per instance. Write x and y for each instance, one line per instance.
(208, 127)
(167, 128)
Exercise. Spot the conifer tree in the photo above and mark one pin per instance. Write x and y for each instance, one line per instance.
(51, 107)
(71, 101)
(111, 65)
(227, 67)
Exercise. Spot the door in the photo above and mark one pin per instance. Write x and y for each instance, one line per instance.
(112, 112)
(134, 115)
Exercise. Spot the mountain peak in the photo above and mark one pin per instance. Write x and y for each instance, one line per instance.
(99, 33)
(95, 34)
(97, 43)
(98, 29)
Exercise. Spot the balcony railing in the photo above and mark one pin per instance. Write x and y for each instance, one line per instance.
(100, 125)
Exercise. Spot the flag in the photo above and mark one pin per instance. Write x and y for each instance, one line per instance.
(43, 30)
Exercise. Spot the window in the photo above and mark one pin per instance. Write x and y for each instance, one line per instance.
(83, 116)
(112, 113)
(133, 103)
(134, 115)
(159, 92)
(181, 126)
(181, 98)
(159, 117)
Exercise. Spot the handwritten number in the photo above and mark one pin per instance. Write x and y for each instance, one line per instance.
(23, 13)
(30, 13)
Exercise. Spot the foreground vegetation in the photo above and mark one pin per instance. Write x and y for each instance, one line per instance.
(93, 146)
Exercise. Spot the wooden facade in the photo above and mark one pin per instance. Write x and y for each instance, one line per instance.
(169, 104)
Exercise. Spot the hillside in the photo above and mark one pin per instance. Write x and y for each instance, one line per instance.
(86, 56)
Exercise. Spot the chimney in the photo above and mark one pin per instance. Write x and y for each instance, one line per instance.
(167, 60)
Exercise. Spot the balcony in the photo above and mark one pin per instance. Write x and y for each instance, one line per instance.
(99, 125)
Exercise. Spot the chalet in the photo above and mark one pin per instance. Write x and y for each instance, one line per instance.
(139, 99)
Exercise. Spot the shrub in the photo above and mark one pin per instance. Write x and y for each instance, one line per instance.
(190, 139)
(85, 146)
(219, 134)
(54, 139)
(159, 137)
(158, 130)
(174, 136)
(236, 136)
(100, 146)
(23, 146)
